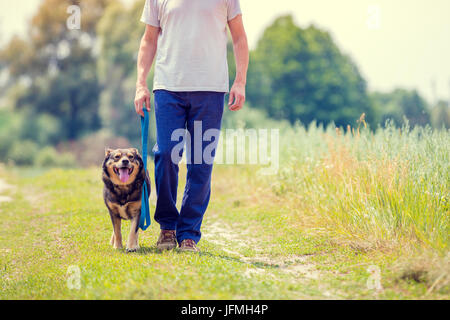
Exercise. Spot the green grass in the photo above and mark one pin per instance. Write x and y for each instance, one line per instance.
(67, 224)
(386, 189)
(340, 205)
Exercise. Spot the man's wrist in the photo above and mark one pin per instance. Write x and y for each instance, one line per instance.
(140, 84)
(240, 82)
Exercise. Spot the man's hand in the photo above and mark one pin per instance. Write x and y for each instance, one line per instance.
(237, 96)
(142, 96)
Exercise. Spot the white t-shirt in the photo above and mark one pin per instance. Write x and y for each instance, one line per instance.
(192, 44)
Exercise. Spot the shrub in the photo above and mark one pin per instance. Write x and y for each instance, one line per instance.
(5, 144)
(9, 132)
(49, 157)
(23, 152)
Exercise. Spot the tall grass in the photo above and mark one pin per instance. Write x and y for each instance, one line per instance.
(375, 189)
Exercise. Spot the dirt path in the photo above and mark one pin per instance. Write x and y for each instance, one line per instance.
(237, 243)
(234, 242)
(3, 188)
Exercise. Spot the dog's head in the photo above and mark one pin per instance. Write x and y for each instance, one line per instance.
(122, 166)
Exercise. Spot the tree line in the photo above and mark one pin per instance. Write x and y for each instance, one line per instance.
(68, 85)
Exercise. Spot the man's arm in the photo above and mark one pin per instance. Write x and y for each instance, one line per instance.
(147, 51)
(240, 46)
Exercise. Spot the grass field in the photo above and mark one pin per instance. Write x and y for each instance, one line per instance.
(350, 215)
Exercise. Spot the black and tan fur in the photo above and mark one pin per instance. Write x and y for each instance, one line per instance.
(123, 199)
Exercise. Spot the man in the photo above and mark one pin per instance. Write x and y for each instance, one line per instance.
(189, 39)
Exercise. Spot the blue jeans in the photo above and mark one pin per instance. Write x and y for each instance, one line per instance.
(179, 110)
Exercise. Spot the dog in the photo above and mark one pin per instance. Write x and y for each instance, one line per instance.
(123, 177)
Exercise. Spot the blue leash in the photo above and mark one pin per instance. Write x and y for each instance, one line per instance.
(144, 221)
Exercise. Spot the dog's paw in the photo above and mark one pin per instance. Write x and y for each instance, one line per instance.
(133, 249)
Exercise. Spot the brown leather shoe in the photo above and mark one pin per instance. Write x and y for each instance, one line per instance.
(188, 245)
(166, 240)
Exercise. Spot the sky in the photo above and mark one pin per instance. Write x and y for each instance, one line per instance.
(395, 43)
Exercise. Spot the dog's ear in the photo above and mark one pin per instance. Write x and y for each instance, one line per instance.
(139, 159)
(135, 151)
(107, 152)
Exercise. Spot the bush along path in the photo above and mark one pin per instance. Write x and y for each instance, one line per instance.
(255, 245)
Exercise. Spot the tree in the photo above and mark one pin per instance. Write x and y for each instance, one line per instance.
(58, 65)
(400, 104)
(300, 74)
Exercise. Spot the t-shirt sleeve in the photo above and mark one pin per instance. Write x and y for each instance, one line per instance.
(233, 9)
(150, 13)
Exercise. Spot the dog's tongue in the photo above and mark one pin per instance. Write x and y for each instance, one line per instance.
(123, 174)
